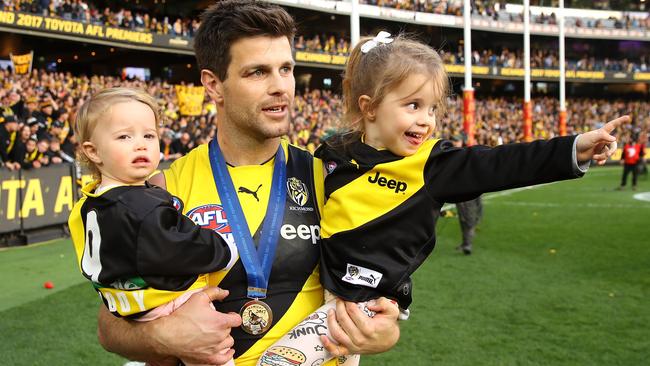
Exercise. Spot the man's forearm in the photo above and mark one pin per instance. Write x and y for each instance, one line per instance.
(126, 338)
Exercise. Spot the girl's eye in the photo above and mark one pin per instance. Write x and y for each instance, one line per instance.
(123, 137)
(149, 136)
(414, 106)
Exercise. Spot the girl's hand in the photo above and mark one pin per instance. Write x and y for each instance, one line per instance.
(599, 144)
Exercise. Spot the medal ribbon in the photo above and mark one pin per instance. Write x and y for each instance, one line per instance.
(257, 263)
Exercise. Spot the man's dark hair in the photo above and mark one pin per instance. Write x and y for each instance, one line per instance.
(226, 22)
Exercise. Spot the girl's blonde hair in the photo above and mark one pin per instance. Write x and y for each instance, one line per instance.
(97, 108)
(382, 69)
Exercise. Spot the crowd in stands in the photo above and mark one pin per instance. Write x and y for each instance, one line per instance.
(543, 59)
(135, 18)
(124, 17)
(495, 9)
(37, 111)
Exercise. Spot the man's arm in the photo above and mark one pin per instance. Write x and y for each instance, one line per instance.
(195, 332)
(357, 333)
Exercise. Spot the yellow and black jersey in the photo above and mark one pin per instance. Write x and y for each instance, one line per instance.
(381, 209)
(294, 289)
(139, 251)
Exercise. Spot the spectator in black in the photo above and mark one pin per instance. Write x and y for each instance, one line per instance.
(69, 145)
(8, 136)
(31, 159)
(20, 147)
(58, 156)
(184, 144)
(167, 151)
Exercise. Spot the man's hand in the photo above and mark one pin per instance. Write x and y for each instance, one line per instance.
(357, 333)
(599, 144)
(195, 332)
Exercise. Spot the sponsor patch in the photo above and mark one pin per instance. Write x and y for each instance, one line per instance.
(362, 276)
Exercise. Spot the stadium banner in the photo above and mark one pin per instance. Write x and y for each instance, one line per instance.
(320, 58)
(190, 99)
(45, 26)
(10, 197)
(22, 64)
(36, 198)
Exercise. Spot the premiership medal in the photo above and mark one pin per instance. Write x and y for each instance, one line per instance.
(256, 317)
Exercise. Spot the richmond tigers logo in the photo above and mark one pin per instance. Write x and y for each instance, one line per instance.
(297, 190)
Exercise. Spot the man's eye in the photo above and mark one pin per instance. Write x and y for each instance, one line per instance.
(257, 73)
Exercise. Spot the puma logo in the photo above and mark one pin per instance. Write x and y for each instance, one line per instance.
(246, 190)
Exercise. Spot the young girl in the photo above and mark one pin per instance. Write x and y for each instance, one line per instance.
(142, 255)
(387, 181)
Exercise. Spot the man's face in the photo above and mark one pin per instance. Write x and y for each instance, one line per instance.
(259, 88)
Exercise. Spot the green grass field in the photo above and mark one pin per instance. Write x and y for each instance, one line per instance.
(560, 276)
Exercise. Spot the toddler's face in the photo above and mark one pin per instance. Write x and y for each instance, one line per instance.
(126, 144)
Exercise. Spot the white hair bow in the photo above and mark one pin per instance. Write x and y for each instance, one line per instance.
(382, 37)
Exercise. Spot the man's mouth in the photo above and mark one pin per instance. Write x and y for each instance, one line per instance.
(275, 108)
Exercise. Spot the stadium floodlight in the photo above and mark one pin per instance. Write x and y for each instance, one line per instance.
(468, 90)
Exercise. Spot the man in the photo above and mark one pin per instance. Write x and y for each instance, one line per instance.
(243, 49)
(632, 155)
(8, 136)
(469, 212)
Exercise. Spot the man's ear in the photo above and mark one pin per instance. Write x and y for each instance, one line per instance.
(90, 151)
(364, 106)
(213, 86)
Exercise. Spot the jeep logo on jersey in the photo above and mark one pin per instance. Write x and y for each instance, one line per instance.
(297, 190)
(304, 232)
(362, 276)
(178, 204)
(396, 185)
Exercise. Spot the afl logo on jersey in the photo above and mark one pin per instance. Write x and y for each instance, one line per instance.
(178, 204)
(297, 190)
(211, 217)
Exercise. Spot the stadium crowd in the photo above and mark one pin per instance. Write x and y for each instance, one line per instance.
(37, 111)
(543, 59)
(134, 17)
(495, 9)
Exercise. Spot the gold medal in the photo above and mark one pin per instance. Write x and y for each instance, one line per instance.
(256, 317)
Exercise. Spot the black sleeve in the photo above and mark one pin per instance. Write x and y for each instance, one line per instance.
(170, 244)
(460, 174)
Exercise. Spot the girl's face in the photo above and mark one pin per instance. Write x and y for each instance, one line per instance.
(125, 147)
(405, 118)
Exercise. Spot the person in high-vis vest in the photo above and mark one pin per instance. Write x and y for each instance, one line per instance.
(631, 158)
(258, 191)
